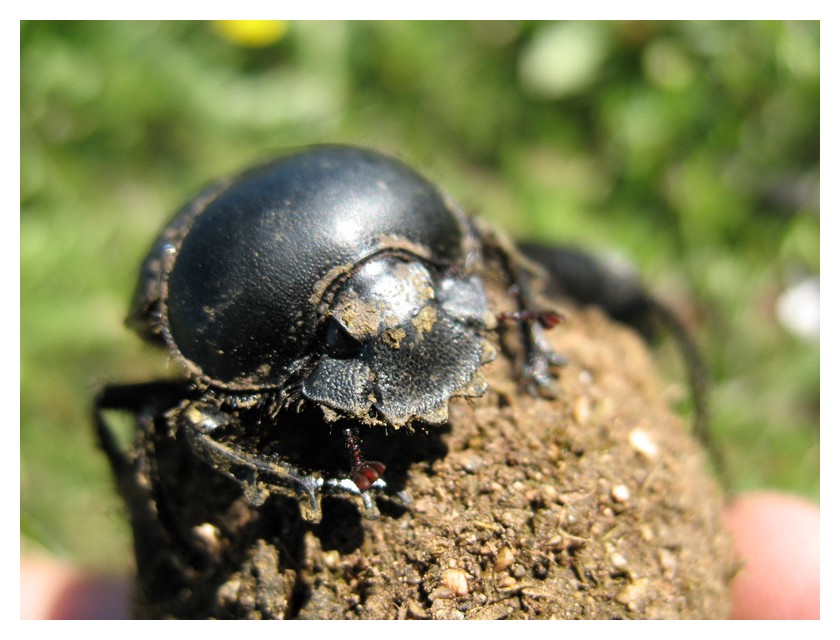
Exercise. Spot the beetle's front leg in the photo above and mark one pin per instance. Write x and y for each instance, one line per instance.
(540, 357)
(260, 475)
(255, 473)
(522, 277)
(364, 473)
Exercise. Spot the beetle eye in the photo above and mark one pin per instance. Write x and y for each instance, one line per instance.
(337, 339)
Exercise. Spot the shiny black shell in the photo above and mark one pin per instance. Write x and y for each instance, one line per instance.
(239, 283)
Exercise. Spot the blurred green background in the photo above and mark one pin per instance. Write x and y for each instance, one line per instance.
(689, 149)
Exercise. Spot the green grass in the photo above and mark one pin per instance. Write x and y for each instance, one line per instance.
(692, 149)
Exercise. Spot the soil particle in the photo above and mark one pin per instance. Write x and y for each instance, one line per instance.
(594, 504)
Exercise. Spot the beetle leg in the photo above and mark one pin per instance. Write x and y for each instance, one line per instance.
(348, 487)
(257, 474)
(145, 401)
(136, 474)
(616, 289)
(540, 357)
(260, 475)
(522, 275)
(364, 473)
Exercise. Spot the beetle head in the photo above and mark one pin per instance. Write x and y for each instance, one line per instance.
(398, 339)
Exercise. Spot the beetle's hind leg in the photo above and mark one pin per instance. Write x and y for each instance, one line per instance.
(136, 475)
(523, 280)
(145, 402)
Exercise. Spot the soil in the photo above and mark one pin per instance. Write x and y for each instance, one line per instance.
(596, 503)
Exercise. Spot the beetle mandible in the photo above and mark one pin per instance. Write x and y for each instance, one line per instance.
(333, 276)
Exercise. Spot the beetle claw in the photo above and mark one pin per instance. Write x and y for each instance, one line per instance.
(365, 473)
(348, 487)
(537, 378)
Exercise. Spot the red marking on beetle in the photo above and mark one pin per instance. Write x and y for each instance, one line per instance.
(549, 319)
(364, 472)
(545, 317)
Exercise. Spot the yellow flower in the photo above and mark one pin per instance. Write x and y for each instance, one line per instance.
(252, 33)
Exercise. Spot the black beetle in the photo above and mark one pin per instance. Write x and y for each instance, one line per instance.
(334, 276)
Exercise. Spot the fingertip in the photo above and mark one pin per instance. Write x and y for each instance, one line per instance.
(777, 537)
(51, 590)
